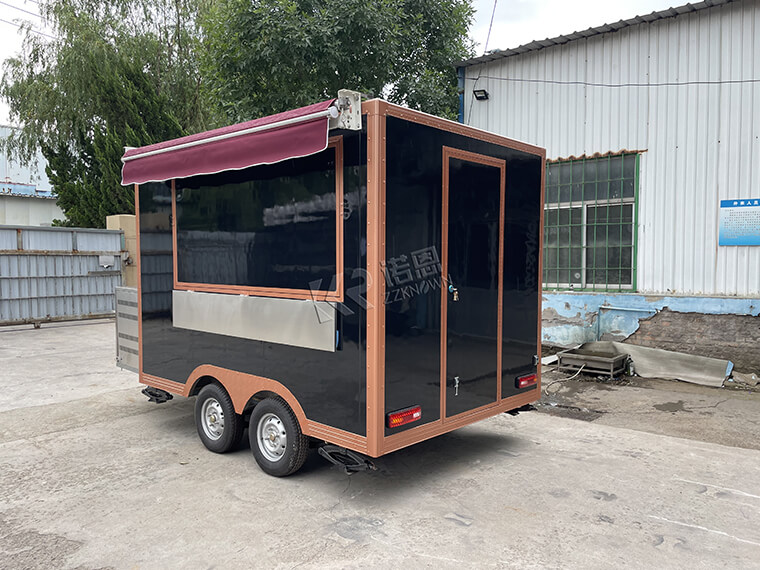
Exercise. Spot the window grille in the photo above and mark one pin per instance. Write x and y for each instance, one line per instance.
(590, 223)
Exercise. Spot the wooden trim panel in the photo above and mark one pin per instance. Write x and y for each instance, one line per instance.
(139, 286)
(460, 129)
(540, 269)
(333, 295)
(501, 164)
(336, 436)
(245, 386)
(433, 429)
(242, 387)
(163, 384)
(375, 283)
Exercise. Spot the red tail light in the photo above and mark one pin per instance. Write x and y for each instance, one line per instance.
(405, 416)
(525, 381)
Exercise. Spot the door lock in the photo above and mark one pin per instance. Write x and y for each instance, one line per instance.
(456, 385)
(454, 291)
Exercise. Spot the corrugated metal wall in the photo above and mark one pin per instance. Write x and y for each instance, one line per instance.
(157, 268)
(57, 273)
(702, 141)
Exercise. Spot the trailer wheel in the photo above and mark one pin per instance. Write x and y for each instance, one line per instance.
(219, 427)
(277, 443)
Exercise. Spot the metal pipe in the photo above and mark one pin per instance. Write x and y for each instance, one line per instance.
(332, 112)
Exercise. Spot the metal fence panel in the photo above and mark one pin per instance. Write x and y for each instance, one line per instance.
(8, 238)
(54, 281)
(46, 240)
(99, 241)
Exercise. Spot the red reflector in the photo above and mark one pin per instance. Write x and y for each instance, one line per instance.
(405, 416)
(525, 381)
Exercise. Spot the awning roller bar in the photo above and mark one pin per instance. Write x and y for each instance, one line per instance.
(332, 112)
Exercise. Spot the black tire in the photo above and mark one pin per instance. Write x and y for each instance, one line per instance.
(277, 443)
(219, 427)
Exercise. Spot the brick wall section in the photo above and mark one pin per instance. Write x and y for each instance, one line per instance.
(731, 337)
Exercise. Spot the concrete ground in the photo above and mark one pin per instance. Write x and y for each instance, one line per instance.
(92, 475)
(718, 415)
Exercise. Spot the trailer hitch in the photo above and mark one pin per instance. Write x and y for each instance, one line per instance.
(157, 395)
(347, 460)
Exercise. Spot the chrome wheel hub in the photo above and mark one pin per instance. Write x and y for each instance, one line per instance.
(271, 437)
(212, 418)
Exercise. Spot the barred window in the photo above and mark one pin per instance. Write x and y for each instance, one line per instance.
(590, 223)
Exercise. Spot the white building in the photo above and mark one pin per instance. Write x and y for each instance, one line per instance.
(25, 196)
(652, 131)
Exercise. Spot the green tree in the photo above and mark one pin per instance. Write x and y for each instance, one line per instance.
(268, 56)
(133, 72)
(119, 73)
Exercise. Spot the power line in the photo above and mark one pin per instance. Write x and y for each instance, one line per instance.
(490, 26)
(616, 85)
(485, 50)
(20, 9)
(30, 29)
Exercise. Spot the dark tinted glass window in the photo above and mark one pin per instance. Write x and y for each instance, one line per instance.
(268, 226)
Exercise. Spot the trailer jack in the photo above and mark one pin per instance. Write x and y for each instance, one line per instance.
(157, 395)
(349, 461)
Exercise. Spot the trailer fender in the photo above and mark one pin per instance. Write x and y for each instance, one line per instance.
(242, 387)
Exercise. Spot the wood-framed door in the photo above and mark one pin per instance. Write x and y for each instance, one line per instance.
(472, 262)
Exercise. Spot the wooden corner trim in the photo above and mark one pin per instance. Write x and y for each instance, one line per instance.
(139, 286)
(375, 328)
(375, 107)
(540, 278)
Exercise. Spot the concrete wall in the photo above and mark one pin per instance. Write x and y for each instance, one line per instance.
(735, 337)
(28, 211)
(723, 327)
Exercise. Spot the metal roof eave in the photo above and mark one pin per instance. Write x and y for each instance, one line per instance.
(598, 30)
(30, 196)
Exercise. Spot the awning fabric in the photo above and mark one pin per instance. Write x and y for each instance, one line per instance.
(235, 153)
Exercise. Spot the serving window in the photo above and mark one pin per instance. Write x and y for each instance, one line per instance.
(273, 230)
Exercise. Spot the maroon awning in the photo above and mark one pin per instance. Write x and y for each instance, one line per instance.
(292, 134)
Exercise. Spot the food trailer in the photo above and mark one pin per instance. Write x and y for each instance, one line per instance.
(354, 276)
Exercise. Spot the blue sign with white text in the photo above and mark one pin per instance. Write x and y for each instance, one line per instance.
(739, 222)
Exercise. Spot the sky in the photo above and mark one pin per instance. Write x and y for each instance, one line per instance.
(515, 22)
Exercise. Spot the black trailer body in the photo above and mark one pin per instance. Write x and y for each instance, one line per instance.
(381, 291)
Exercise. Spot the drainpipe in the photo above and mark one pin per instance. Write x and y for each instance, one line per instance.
(460, 87)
